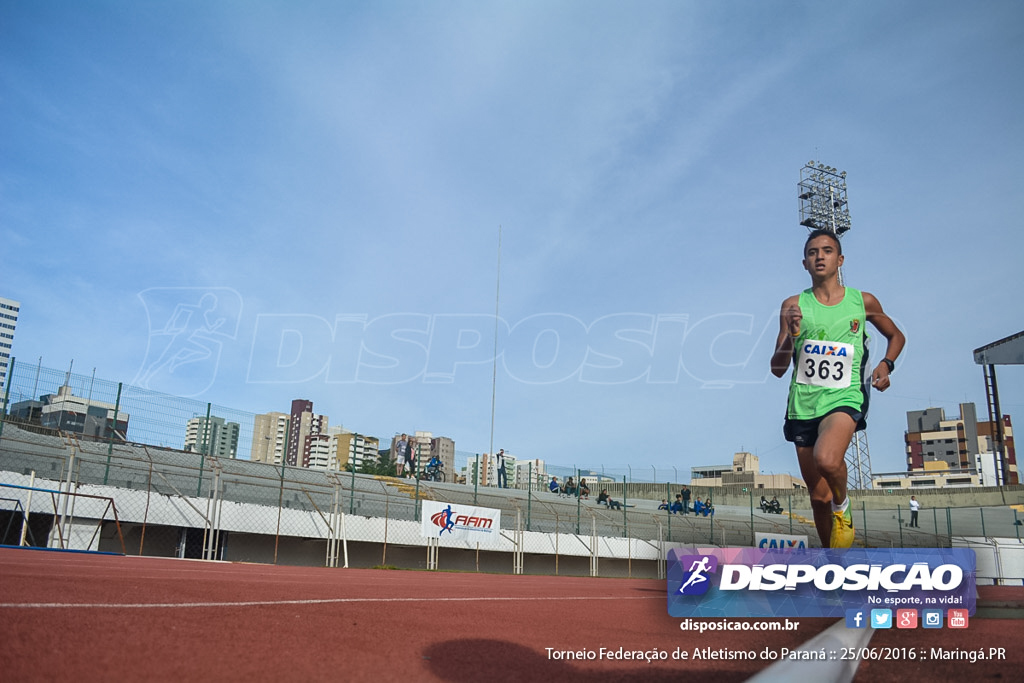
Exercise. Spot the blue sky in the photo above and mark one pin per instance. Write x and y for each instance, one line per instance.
(334, 177)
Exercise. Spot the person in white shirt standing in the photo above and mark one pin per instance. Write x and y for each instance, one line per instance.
(915, 506)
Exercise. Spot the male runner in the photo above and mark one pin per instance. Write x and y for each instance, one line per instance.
(822, 335)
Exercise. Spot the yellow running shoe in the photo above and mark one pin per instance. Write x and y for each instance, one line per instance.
(842, 529)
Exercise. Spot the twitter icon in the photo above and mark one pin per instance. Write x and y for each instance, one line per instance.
(881, 618)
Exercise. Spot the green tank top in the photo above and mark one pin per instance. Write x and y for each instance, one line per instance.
(831, 354)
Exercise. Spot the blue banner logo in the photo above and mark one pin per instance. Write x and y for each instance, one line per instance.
(753, 582)
(696, 580)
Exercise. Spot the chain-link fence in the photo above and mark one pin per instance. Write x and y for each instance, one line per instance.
(117, 412)
(176, 503)
(204, 503)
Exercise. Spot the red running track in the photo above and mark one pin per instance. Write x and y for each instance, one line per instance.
(100, 618)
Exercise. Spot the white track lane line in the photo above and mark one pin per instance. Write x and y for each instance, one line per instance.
(272, 603)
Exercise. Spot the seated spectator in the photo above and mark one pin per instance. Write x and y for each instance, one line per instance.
(677, 505)
(553, 486)
(604, 498)
(664, 505)
(570, 487)
(764, 504)
(709, 509)
(775, 506)
(698, 506)
(584, 490)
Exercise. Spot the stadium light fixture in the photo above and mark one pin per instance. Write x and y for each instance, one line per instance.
(823, 202)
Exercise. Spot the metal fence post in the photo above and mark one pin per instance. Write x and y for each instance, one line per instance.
(529, 493)
(899, 522)
(280, 505)
(668, 500)
(789, 501)
(753, 537)
(625, 522)
(352, 490)
(7, 397)
(416, 497)
(476, 479)
(981, 511)
(113, 429)
(204, 450)
(280, 497)
(711, 519)
(579, 502)
(864, 516)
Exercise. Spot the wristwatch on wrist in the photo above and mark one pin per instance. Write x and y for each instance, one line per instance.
(889, 364)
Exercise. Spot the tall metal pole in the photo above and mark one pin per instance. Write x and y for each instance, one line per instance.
(494, 371)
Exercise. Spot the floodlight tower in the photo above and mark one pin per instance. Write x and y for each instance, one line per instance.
(823, 206)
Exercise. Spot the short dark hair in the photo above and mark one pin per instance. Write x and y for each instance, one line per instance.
(821, 232)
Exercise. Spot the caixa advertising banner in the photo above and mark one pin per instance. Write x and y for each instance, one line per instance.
(461, 522)
(752, 582)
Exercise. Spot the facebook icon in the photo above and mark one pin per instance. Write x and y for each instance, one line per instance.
(855, 618)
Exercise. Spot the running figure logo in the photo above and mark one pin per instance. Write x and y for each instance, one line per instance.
(695, 581)
(443, 519)
(188, 327)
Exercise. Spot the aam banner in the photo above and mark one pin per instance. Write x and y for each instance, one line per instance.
(752, 582)
(461, 522)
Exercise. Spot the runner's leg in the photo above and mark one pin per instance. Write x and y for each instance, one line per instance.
(818, 488)
(834, 435)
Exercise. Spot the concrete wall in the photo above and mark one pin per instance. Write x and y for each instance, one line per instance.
(248, 534)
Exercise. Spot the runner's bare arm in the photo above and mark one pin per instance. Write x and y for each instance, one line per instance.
(887, 328)
(789, 327)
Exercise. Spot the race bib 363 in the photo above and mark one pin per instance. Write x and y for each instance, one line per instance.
(825, 364)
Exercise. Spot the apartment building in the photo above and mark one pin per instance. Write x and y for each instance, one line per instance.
(9, 310)
(269, 438)
(213, 436)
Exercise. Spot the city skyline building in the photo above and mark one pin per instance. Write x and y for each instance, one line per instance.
(9, 310)
(936, 443)
(269, 437)
(306, 427)
(444, 449)
(89, 417)
(215, 437)
(744, 471)
(523, 470)
(358, 449)
(320, 447)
